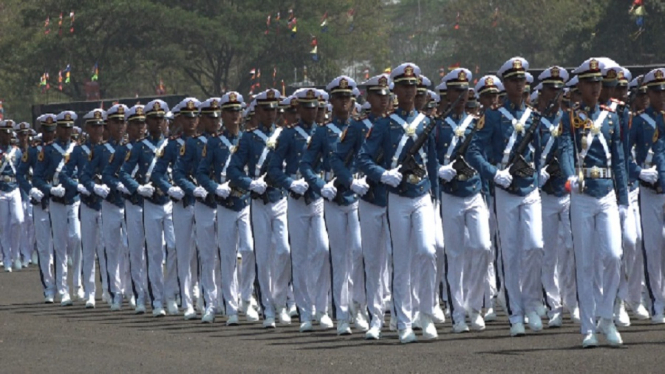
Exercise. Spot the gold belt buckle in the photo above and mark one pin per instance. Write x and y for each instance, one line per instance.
(595, 172)
(413, 179)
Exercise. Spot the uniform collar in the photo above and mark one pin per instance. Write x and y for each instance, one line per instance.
(458, 117)
(60, 142)
(305, 126)
(404, 113)
(155, 140)
(337, 121)
(228, 134)
(589, 109)
(265, 128)
(511, 106)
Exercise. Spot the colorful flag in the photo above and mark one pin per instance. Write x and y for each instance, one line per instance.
(314, 53)
(95, 73)
(442, 71)
(71, 22)
(46, 25)
(349, 18)
(324, 22)
(267, 25)
(68, 69)
(60, 80)
(60, 25)
(457, 22)
(454, 66)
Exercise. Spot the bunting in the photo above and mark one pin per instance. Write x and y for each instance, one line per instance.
(60, 80)
(46, 26)
(324, 22)
(456, 27)
(95, 73)
(71, 22)
(60, 25)
(68, 70)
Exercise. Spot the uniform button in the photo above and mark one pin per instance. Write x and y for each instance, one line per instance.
(445, 144)
(394, 145)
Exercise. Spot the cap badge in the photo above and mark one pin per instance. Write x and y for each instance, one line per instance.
(310, 94)
(214, 104)
(593, 64)
(190, 105)
(157, 106)
(659, 74)
(343, 83)
(555, 72)
(121, 109)
(408, 71)
(139, 111)
(98, 115)
(270, 94)
(68, 117)
(489, 81)
(233, 96)
(383, 82)
(462, 75)
(517, 64)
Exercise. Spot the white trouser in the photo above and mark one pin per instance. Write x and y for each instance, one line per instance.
(652, 207)
(440, 254)
(521, 235)
(412, 234)
(310, 256)
(597, 240)
(11, 221)
(632, 261)
(462, 215)
(27, 244)
(137, 256)
(114, 245)
(273, 254)
(558, 276)
(185, 245)
(376, 246)
(158, 224)
(206, 243)
(494, 279)
(66, 231)
(44, 248)
(91, 241)
(344, 232)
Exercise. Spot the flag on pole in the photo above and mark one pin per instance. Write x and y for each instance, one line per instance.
(68, 69)
(283, 88)
(314, 53)
(267, 25)
(46, 25)
(457, 22)
(95, 73)
(71, 22)
(60, 80)
(60, 25)
(454, 66)
(324, 22)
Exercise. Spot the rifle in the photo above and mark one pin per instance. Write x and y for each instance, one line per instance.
(460, 165)
(518, 165)
(409, 165)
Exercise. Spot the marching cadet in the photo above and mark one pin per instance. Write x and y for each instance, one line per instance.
(322, 113)
(639, 92)
(290, 111)
(526, 94)
(171, 181)
(307, 228)
(410, 210)
(421, 92)
(268, 209)
(466, 217)
(90, 210)
(42, 220)
(573, 92)
(341, 207)
(592, 160)
(27, 241)
(558, 277)
(234, 232)
(517, 200)
(648, 166)
(113, 251)
(373, 216)
(135, 118)
(11, 210)
(64, 203)
(157, 209)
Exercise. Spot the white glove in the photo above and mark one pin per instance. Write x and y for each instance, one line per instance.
(391, 177)
(649, 175)
(503, 178)
(176, 192)
(101, 190)
(82, 190)
(360, 186)
(574, 183)
(145, 190)
(329, 191)
(121, 187)
(58, 191)
(299, 186)
(447, 172)
(36, 194)
(544, 177)
(223, 190)
(200, 192)
(259, 186)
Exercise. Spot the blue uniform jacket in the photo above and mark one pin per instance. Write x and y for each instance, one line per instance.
(162, 175)
(242, 169)
(71, 174)
(487, 147)
(111, 172)
(643, 137)
(142, 154)
(384, 140)
(92, 174)
(44, 172)
(553, 186)
(571, 143)
(214, 157)
(444, 136)
(289, 150)
(10, 158)
(184, 170)
(26, 168)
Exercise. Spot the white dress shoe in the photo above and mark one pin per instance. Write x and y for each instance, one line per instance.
(190, 314)
(429, 329)
(590, 341)
(8, 269)
(306, 326)
(477, 321)
(438, 317)
(658, 319)
(460, 327)
(284, 317)
(555, 321)
(18, 265)
(535, 323)
(641, 313)
(416, 325)
(490, 315)
(393, 323)
(621, 317)
(269, 323)
(609, 329)
(65, 300)
(232, 320)
(293, 310)
(90, 304)
(140, 309)
(132, 302)
(361, 321)
(80, 294)
(343, 328)
(106, 297)
(541, 310)
(251, 315)
(208, 316)
(517, 329)
(325, 323)
(48, 299)
(158, 312)
(172, 307)
(117, 303)
(26, 263)
(373, 334)
(575, 315)
(35, 258)
(407, 336)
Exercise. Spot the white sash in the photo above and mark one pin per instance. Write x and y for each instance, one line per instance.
(228, 144)
(456, 130)
(270, 142)
(550, 142)
(109, 148)
(86, 149)
(409, 132)
(651, 123)
(136, 168)
(8, 161)
(367, 123)
(203, 139)
(155, 151)
(596, 131)
(64, 154)
(303, 133)
(513, 136)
